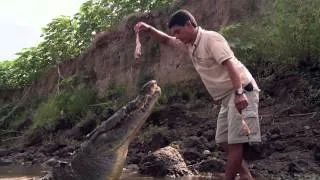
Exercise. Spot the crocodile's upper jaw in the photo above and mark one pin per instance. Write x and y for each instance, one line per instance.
(112, 138)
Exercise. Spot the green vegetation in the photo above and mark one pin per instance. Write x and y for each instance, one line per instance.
(46, 114)
(69, 82)
(41, 120)
(287, 41)
(116, 96)
(65, 105)
(67, 37)
(283, 44)
(168, 92)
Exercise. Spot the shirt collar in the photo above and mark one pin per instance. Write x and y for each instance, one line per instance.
(196, 42)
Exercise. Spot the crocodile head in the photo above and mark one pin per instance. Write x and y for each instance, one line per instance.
(103, 155)
(138, 110)
(150, 88)
(122, 126)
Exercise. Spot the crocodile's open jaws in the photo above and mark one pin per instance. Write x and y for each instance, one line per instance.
(102, 157)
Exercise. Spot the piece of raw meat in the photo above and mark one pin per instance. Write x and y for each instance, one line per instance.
(137, 52)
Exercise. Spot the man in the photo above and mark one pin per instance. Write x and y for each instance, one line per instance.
(225, 78)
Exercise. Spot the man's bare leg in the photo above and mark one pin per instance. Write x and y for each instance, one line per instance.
(244, 172)
(236, 167)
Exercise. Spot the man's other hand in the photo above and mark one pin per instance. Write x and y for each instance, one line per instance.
(241, 102)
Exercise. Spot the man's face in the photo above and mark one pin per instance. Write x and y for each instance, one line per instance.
(183, 33)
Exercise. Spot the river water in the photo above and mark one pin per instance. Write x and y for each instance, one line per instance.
(30, 173)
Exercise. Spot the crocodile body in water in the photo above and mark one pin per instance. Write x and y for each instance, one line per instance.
(102, 157)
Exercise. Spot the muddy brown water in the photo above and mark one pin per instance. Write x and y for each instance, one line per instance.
(31, 173)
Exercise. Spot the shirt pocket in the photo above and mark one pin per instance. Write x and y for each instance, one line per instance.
(252, 119)
(205, 62)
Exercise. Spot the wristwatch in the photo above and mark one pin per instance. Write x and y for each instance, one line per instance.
(239, 91)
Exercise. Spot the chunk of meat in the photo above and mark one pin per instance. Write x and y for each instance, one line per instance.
(245, 128)
(137, 52)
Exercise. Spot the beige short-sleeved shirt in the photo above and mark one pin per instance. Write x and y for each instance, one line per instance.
(208, 52)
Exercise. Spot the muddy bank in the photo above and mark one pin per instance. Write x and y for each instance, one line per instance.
(290, 148)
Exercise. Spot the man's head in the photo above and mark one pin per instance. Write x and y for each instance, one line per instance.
(183, 24)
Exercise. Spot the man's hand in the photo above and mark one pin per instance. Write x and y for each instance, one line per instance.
(141, 26)
(241, 102)
(157, 34)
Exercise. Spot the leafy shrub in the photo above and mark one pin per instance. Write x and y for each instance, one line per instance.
(116, 92)
(46, 114)
(287, 40)
(70, 105)
(116, 96)
(76, 103)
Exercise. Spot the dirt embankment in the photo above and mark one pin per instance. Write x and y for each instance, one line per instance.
(110, 57)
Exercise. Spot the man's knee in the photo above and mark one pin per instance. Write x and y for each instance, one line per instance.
(236, 149)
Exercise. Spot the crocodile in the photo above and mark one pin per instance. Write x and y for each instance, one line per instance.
(102, 156)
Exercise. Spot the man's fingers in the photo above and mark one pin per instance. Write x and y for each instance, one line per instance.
(238, 106)
(241, 105)
(241, 102)
(137, 27)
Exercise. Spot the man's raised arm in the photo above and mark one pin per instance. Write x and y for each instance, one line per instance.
(157, 34)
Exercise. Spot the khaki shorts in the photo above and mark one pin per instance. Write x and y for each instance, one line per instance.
(229, 123)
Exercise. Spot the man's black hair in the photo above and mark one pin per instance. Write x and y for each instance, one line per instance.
(181, 17)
